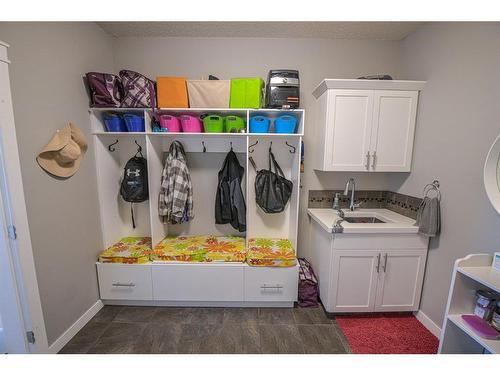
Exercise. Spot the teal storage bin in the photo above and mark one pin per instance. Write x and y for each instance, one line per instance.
(246, 93)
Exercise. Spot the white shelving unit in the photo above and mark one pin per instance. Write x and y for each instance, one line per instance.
(203, 166)
(472, 273)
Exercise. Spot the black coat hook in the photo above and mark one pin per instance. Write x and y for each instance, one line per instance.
(111, 148)
(231, 143)
(293, 148)
(204, 148)
(139, 148)
(252, 145)
(270, 145)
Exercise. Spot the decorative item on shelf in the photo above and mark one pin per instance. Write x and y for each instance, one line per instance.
(172, 92)
(246, 93)
(61, 157)
(380, 77)
(234, 124)
(191, 124)
(114, 122)
(170, 123)
(485, 304)
(259, 124)
(283, 89)
(134, 123)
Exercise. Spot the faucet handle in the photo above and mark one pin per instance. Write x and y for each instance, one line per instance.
(357, 205)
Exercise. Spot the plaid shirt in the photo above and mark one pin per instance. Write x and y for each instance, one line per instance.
(175, 204)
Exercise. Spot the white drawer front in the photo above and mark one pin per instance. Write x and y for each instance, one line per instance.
(125, 281)
(198, 282)
(271, 284)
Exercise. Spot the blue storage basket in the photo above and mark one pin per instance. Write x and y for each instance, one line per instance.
(285, 124)
(134, 123)
(259, 124)
(114, 123)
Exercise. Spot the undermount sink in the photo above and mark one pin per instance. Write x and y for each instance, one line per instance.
(363, 219)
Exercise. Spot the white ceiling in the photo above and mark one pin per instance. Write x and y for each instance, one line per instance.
(323, 30)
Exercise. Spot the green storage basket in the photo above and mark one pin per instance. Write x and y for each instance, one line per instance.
(213, 124)
(234, 124)
(246, 93)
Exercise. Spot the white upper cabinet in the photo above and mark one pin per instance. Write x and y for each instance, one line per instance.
(366, 125)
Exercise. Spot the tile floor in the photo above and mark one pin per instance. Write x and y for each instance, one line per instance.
(127, 329)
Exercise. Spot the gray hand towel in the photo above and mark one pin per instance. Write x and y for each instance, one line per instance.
(429, 217)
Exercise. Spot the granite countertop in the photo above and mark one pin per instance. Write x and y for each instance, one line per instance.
(393, 222)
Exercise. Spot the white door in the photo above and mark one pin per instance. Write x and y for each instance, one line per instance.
(394, 114)
(354, 281)
(348, 130)
(401, 278)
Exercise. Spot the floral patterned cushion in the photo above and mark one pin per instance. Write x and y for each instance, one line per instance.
(271, 252)
(128, 250)
(200, 249)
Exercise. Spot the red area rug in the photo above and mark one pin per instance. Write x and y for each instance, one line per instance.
(387, 334)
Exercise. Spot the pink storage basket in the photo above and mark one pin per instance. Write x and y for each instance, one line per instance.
(171, 123)
(191, 124)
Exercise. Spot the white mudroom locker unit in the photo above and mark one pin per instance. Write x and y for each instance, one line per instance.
(203, 283)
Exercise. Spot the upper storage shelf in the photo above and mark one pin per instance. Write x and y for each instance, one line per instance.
(367, 84)
(98, 126)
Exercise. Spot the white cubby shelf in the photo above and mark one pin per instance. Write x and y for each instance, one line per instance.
(470, 274)
(115, 213)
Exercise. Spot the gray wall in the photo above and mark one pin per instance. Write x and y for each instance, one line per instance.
(458, 120)
(48, 60)
(316, 59)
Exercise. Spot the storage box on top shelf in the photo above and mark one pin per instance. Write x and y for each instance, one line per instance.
(172, 92)
(208, 93)
(246, 93)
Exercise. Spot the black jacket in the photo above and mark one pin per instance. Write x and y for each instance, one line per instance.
(229, 202)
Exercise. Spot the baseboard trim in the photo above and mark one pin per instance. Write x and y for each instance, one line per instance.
(75, 328)
(428, 323)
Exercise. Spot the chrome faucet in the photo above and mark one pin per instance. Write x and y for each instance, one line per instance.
(350, 182)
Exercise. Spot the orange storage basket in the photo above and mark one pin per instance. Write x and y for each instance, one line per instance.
(172, 92)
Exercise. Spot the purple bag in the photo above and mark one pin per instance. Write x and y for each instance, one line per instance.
(308, 285)
(106, 89)
(139, 91)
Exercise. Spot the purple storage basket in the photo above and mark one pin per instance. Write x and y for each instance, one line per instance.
(191, 124)
(308, 285)
(171, 123)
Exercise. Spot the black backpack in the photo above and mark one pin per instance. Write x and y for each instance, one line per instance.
(134, 186)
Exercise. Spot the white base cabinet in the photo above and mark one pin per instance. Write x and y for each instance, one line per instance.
(198, 284)
(368, 272)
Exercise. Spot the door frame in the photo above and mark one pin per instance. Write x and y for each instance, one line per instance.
(19, 247)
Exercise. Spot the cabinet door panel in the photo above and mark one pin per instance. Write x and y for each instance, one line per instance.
(354, 282)
(400, 284)
(394, 114)
(349, 130)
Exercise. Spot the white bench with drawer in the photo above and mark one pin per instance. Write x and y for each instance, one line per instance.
(197, 284)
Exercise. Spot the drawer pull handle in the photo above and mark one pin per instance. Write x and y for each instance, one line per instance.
(267, 286)
(129, 285)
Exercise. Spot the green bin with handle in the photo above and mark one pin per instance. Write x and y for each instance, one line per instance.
(246, 93)
(213, 124)
(234, 124)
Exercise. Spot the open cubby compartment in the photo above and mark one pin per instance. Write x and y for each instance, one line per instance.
(274, 113)
(243, 113)
(283, 224)
(97, 118)
(116, 218)
(203, 168)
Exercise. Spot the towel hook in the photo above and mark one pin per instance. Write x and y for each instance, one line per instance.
(293, 148)
(111, 148)
(434, 186)
(252, 145)
(204, 148)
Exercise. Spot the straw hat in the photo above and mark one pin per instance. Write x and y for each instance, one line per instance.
(63, 154)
